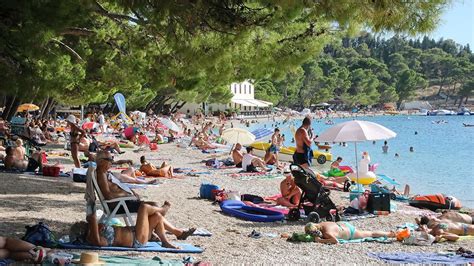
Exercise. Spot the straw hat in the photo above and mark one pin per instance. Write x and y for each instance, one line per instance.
(89, 258)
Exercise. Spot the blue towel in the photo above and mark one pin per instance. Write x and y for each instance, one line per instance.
(419, 257)
(381, 239)
(150, 247)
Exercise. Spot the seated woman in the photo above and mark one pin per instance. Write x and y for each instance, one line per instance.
(21, 251)
(290, 193)
(149, 221)
(331, 232)
(150, 170)
(158, 137)
(270, 158)
(336, 163)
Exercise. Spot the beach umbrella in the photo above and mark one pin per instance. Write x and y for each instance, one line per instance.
(238, 135)
(170, 124)
(356, 131)
(29, 107)
(262, 133)
(90, 125)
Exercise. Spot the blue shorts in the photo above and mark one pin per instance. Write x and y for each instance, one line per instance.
(274, 148)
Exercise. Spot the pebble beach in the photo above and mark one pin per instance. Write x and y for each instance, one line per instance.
(59, 202)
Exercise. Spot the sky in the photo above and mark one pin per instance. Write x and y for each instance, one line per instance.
(457, 23)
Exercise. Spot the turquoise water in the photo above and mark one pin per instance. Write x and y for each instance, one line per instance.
(442, 161)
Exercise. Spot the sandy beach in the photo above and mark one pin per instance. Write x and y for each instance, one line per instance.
(59, 202)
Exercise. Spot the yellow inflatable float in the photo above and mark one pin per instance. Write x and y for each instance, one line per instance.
(363, 175)
(286, 153)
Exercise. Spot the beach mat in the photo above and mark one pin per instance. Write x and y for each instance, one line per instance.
(420, 258)
(150, 247)
(124, 260)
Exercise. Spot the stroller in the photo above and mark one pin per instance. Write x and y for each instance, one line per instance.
(315, 198)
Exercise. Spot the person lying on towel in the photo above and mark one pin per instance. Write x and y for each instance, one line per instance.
(149, 169)
(330, 232)
(445, 228)
(149, 221)
(15, 160)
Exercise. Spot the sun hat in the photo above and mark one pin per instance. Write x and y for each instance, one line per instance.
(89, 258)
(71, 119)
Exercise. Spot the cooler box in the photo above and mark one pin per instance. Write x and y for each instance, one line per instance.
(51, 171)
(378, 202)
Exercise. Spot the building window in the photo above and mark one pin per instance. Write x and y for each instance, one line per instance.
(245, 89)
(240, 89)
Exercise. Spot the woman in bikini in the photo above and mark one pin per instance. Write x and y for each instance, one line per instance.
(75, 137)
(331, 232)
(445, 227)
(290, 193)
(149, 222)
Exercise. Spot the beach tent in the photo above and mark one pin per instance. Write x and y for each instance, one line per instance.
(418, 105)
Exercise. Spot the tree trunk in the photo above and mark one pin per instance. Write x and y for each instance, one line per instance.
(460, 101)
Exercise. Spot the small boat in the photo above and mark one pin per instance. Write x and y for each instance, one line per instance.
(467, 125)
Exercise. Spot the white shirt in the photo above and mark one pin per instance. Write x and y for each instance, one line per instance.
(101, 119)
(247, 160)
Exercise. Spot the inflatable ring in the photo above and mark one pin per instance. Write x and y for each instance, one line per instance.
(364, 180)
(238, 209)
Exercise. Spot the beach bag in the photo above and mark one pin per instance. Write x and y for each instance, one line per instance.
(51, 171)
(79, 175)
(40, 235)
(419, 238)
(205, 191)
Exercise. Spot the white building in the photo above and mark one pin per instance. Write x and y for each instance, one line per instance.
(243, 99)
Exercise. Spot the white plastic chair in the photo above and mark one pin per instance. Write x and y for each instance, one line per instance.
(121, 203)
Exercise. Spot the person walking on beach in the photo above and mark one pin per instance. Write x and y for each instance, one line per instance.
(385, 147)
(303, 154)
(275, 144)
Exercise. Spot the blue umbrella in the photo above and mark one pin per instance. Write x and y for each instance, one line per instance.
(262, 133)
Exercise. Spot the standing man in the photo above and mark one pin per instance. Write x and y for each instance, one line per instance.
(276, 144)
(303, 154)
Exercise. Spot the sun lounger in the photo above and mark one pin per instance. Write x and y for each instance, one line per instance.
(150, 247)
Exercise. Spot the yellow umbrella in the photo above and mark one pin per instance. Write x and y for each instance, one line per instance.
(27, 107)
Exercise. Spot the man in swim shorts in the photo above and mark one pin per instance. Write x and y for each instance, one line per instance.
(331, 232)
(303, 154)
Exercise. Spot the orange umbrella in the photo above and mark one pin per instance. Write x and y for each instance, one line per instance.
(29, 107)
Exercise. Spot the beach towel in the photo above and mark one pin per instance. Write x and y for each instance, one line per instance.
(353, 217)
(141, 186)
(420, 258)
(256, 175)
(124, 260)
(367, 239)
(150, 247)
(196, 173)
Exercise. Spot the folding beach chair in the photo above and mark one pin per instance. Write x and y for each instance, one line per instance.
(121, 202)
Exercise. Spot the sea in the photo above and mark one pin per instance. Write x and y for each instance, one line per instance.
(442, 160)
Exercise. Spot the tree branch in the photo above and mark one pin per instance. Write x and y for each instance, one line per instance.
(68, 48)
(77, 31)
(101, 10)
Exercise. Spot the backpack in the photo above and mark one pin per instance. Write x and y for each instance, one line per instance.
(40, 235)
